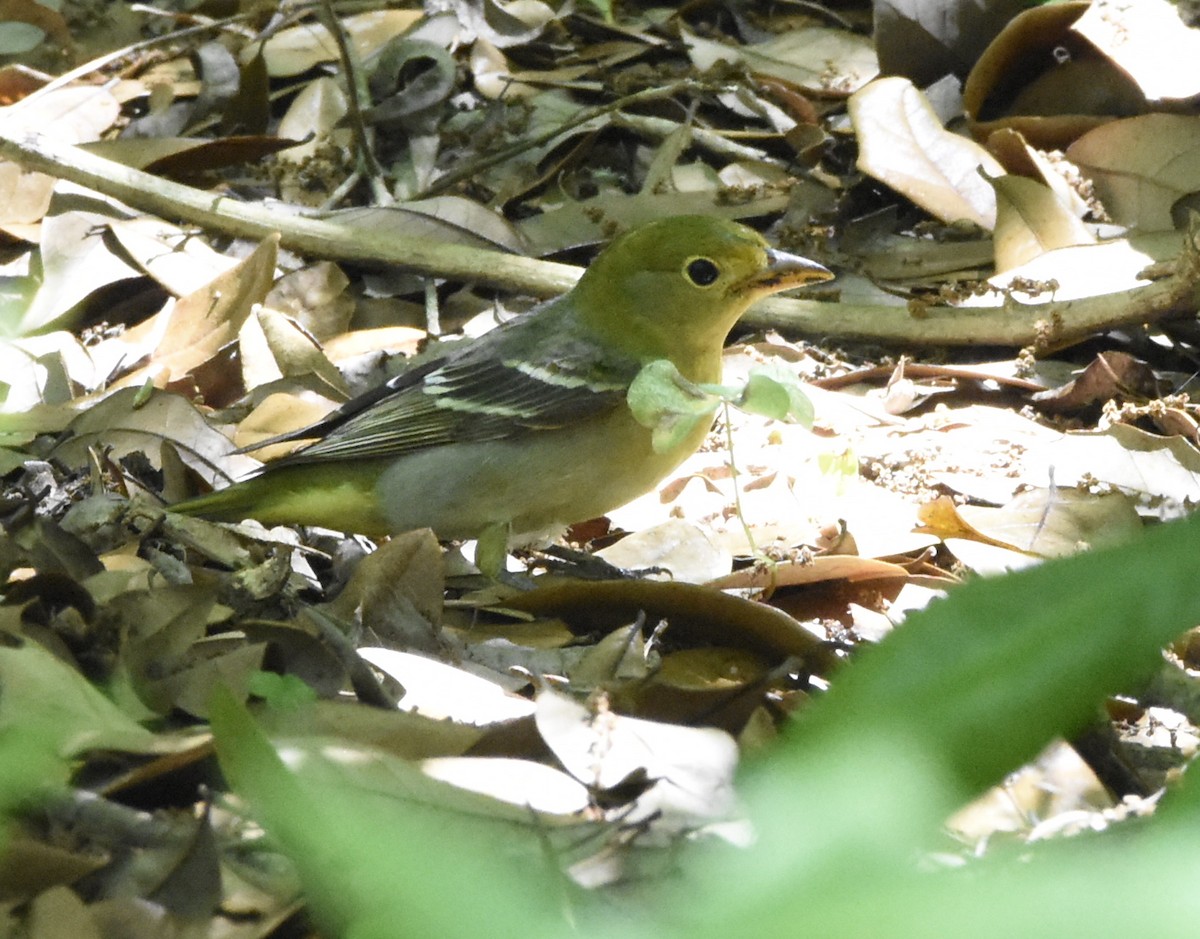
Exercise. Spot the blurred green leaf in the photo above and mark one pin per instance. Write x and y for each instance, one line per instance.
(375, 866)
(75, 716)
(281, 692)
(961, 694)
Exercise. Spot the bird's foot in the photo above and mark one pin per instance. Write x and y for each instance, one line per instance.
(559, 559)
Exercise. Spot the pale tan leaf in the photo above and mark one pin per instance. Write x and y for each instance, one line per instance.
(1148, 40)
(442, 218)
(313, 118)
(1071, 273)
(300, 48)
(1163, 471)
(519, 782)
(1011, 149)
(76, 262)
(78, 114)
(123, 423)
(903, 144)
(176, 259)
(42, 369)
(816, 58)
(442, 691)
(281, 414)
(275, 346)
(1031, 220)
(1056, 522)
(24, 198)
(691, 767)
(678, 546)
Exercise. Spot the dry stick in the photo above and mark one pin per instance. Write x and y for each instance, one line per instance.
(304, 234)
(356, 93)
(116, 55)
(1045, 326)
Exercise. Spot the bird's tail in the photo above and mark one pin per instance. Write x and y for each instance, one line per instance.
(340, 496)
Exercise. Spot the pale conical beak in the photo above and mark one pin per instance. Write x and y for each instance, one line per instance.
(785, 271)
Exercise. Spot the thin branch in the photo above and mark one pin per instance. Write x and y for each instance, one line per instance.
(301, 233)
(356, 93)
(1043, 326)
(96, 64)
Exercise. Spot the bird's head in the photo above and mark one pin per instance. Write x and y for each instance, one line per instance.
(674, 288)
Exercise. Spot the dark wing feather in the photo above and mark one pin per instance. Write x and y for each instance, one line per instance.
(479, 394)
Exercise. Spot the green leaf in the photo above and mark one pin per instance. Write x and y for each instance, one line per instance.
(764, 395)
(603, 7)
(80, 718)
(1004, 665)
(775, 393)
(377, 855)
(843, 463)
(961, 694)
(281, 692)
(670, 405)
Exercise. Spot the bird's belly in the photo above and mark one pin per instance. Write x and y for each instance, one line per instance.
(536, 486)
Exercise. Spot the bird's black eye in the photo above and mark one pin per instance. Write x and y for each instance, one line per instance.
(702, 272)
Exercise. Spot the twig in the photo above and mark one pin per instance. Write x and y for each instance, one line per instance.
(362, 679)
(94, 65)
(322, 238)
(1043, 326)
(733, 478)
(356, 92)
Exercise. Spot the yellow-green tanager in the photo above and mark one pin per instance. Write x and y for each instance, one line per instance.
(527, 429)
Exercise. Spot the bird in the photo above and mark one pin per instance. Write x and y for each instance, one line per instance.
(526, 430)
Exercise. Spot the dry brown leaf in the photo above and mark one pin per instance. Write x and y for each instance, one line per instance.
(696, 614)
(198, 326)
(1142, 166)
(1110, 376)
(816, 570)
(1040, 78)
(396, 592)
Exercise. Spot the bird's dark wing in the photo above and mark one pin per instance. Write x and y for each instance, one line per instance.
(486, 392)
